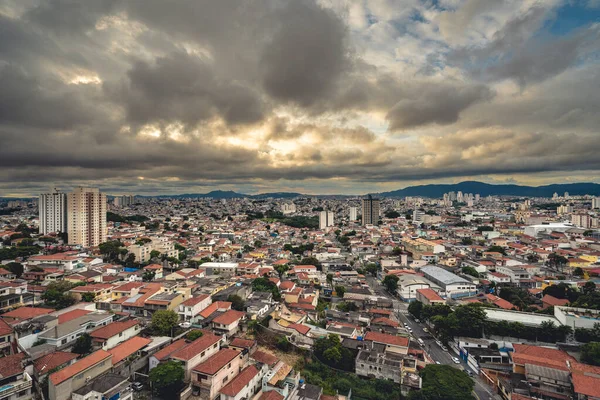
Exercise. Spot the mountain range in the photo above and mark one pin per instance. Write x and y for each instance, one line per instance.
(432, 191)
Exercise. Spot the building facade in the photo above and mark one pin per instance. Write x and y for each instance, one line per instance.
(86, 217)
(53, 212)
(370, 211)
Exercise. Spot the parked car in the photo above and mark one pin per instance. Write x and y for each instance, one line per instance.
(185, 324)
(456, 360)
(137, 386)
(425, 330)
(438, 363)
(444, 348)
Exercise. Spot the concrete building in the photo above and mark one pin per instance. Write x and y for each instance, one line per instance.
(577, 317)
(288, 208)
(124, 201)
(86, 217)
(214, 373)
(370, 211)
(353, 213)
(63, 383)
(325, 219)
(596, 203)
(53, 212)
(452, 285)
(429, 297)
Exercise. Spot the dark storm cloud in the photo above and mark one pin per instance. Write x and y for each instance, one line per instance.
(307, 54)
(183, 87)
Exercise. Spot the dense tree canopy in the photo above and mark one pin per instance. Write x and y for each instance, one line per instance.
(443, 382)
(167, 378)
(163, 321)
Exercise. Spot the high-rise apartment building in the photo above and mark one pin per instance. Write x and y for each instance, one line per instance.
(325, 219)
(353, 213)
(124, 201)
(53, 212)
(86, 217)
(595, 202)
(370, 211)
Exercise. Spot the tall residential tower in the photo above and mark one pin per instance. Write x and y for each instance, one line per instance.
(53, 212)
(370, 211)
(86, 217)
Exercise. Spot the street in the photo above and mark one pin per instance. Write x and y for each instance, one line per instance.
(482, 391)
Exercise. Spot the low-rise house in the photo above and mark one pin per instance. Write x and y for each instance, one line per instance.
(107, 386)
(228, 323)
(63, 383)
(114, 333)
(196, 352)
(214, 373)
(16, 382)
(100, 291)
(245, 385)
(190, 309)
(394, 344)
(164, 354)
(66, 333)
(128, 349)
(163, 301)
(156, 268)
(58, 359)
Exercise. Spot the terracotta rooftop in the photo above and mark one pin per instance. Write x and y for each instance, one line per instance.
(50, 361)
(229, 317)
(128, 347)
(27, 312)
(12, 365)
(387, 339)
(196, 347)
(163, 354)
(240, 381)
(430, 294)
(5, 328)
(113, 329)
(245, 343)
(214, 307)
(265, 358)
(69, 315)
(216, 362)
(271, 395)
(80, 366)
(194, 300)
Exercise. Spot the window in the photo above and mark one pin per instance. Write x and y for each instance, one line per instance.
(23, 393)
(2, 339)
(225, 379)
(80, 376)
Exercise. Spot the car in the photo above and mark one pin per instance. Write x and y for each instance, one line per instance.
(405, 325)
(185, 324)
(425, 330)
(137, 386)
(455, 360)
(409, 329)
(444, 348)
(470, 373)
(438, 343)
(438, 363)
(417, 320)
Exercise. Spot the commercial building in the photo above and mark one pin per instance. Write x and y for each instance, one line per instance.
(325, 219)
(86, 217)
(452, 285)
(370, 211)
(53, 212)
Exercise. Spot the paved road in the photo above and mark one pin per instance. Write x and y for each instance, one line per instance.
(482, 390)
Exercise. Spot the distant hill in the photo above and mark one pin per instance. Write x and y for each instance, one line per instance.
(276, 195)
(485, 189)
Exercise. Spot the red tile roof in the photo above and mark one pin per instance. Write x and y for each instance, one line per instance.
(385, 321)
(196, 347)
(271, 395)
(387, 339)
(229, 317)
(303, 329)
(127, 348)
(163, 354)
(216, 362)
(265, 358)
(80, 366)
(27, 312)
(588, 385)
(244, 343)
(239, 382)
(5, 329)
(113, 329)
(12, 365)
(69, 315)
(553, 301)
(214, 307)
(50, 361)
(430, 294)
(194, 300)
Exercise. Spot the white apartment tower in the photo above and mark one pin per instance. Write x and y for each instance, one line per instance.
(325, 219)
(595, 202)
(86, 217)
(53, 212)
(353, 213)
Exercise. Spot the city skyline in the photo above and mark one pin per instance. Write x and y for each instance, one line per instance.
(142, 97)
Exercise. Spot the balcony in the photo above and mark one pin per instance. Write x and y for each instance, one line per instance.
(14, 387)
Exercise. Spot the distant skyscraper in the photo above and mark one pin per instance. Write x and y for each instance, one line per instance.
(325, 219)
(566, 195)
(418, 216)
(353, 213)
(124, 201)
(596, 202)
(370, 211)
(53, 212)
(459, 197)
(86, 217)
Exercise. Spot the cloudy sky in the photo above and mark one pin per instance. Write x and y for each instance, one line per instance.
(316, 96)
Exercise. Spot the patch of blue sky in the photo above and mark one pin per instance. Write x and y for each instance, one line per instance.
(573, 15)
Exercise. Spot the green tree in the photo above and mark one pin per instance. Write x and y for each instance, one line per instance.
(590, 353)
(415, 308)
(332, 355)
(167, 378)
(589, 287)
(443, 382)
(467, 241)
(237, 303)
(391, 283)
(282, 269)
(578, 271)
(339, 291)
(83, 344)
(330, 279)
(88, 297)
(392, 214)
(372, 269)
(193, 335)
(496, 249)
(311, 261)
(15, 267)
(283, 344)
(163, 321)
(57, 295)
(110, 250)
(148, 276)
(470, 271)
(154, 254)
